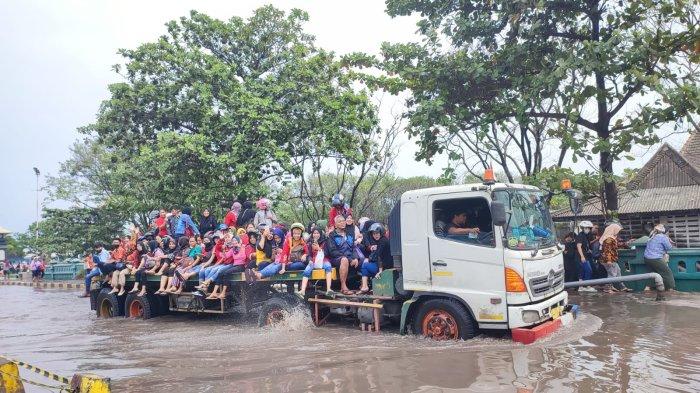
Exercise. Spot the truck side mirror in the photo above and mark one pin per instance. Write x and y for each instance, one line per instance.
(498, 213)
(575, 201)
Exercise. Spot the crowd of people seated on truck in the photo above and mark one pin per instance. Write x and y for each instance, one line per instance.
(249, 241)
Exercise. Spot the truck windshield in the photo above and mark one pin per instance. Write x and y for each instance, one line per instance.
(529, 224)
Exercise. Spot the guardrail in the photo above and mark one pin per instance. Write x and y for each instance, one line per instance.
(62, 271)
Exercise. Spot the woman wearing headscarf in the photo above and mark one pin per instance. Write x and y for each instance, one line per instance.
(247, 214)
(231, 219)
(609, 256)
(207, 222)
(655, 255)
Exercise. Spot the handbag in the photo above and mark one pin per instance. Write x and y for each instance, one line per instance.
(318, 262)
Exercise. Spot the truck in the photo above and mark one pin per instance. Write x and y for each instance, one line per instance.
(504, 273)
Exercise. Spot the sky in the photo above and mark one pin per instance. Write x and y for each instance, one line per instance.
(56, 59)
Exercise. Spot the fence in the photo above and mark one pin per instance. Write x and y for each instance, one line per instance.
(63, 271)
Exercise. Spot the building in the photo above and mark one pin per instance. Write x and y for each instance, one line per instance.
(666, 190)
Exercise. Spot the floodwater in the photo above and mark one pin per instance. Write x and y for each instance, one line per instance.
(620, 342)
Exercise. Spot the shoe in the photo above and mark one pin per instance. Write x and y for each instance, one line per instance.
(587, 289)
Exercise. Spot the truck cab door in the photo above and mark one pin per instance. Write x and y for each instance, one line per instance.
(471, 269)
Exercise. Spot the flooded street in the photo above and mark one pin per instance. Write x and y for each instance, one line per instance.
(622, 342)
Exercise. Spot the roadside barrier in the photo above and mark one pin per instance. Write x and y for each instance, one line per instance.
(55, 285)
(11, 382)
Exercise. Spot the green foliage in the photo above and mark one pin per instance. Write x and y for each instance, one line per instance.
(14, 248)
(375, 197)
(235, 101)
(578, 65)
(66, 231)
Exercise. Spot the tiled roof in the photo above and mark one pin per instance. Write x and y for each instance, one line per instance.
(691, 150)
(650, 200)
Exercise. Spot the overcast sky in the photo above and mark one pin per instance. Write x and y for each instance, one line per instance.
(55, 65)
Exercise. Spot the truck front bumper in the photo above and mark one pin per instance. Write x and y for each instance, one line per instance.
(535, 313)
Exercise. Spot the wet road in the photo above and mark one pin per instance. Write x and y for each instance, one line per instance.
(621, 342)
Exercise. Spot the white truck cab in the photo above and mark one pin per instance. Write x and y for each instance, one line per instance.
(506, 273)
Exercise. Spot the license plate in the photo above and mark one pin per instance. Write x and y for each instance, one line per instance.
(555, 312)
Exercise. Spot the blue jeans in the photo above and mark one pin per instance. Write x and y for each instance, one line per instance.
(298, 265)
(214, 273)
(271, 269)
(586, 270)
(310, 267)
(205, 274)
(94, 272)
(369, 269)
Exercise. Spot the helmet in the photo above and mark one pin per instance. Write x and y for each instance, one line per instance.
(297, 225)
(223, 227)
(338, 200)
(376, 227)
(585, 224)
(263, 204)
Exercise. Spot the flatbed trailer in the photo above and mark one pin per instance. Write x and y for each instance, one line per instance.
(268, 298)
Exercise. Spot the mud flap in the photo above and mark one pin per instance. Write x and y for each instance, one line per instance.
(404, 314)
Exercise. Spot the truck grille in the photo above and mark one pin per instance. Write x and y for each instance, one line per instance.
(542, 285)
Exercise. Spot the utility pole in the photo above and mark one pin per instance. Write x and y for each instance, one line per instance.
(36, 227)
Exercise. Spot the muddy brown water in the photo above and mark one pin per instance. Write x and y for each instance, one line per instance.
(621, 342)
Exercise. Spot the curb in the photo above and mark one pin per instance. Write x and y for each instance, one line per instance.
(56, 285)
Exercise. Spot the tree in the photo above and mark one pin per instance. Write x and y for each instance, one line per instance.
(240, 100)
(14, 248)
(604, 75)
(67, 232)
(375, 198)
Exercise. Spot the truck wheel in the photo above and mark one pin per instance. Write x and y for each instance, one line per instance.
(272, 311)
(444, 319)
(109, 304)
(142, 307)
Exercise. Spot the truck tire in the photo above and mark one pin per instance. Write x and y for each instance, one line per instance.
(109, 304)
(273, 310)
(143, 307)
(444, 319)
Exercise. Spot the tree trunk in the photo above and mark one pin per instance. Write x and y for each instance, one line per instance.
(609, 186)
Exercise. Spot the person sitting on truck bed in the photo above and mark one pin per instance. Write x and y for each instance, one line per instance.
(294, 250)
(149, 263)
(265, 250)
(458, 225)
(235, 262)
(204, 260)
(342, 252)
(278, 266)
(317, 260)
(379, 256)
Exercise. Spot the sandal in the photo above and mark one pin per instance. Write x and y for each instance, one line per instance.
(347, 292)
(363, 291)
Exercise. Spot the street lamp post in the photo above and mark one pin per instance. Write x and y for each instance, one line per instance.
(36, 227)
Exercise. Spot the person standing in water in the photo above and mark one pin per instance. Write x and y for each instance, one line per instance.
(655, 256)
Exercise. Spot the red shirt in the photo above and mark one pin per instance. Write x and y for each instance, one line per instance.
(230, 219)
(159, 222)
(334, 212)
(118, 254)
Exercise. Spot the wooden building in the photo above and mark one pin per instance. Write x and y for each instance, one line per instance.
(666, 190)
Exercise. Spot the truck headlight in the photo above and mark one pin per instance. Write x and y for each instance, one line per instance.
(531, 316)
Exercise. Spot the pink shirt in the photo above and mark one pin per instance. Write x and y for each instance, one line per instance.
(238, 258)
